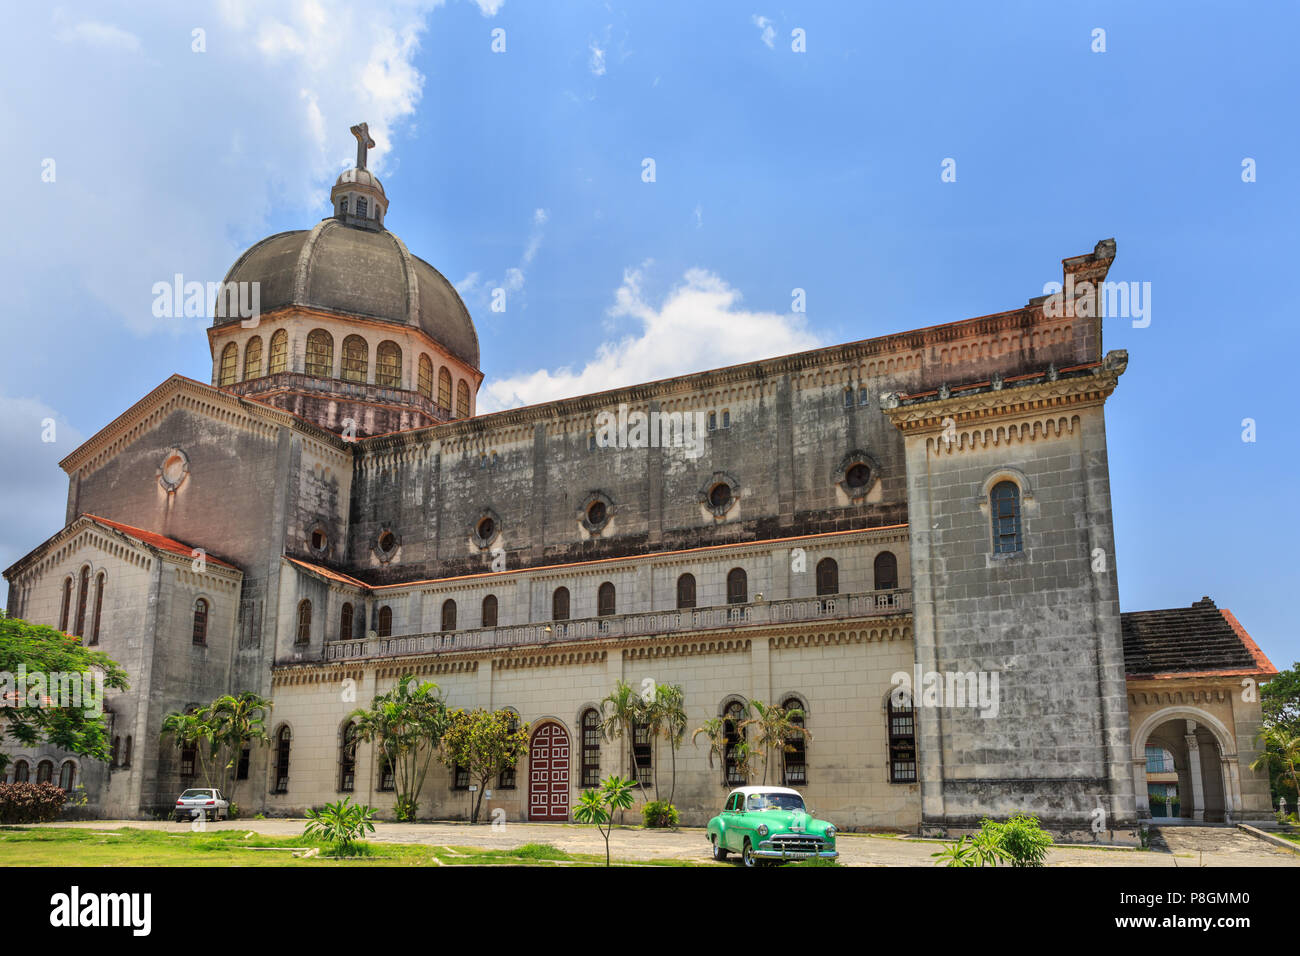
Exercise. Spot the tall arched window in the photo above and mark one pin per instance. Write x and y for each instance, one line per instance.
(22, 771)
(345, 621)
(449, 615)
(732, 734)
(388, 365)
(737, 586)
(228, 372)
(490, 611)
(886, 571)
(320, 354)
(686, 591)
(67, 605)
(67, 776)
(253, 358)
(385, 628)
(356, 359)
(1004, 501)
(348, 758)
(560, 605)
(507, 778)
(200, 621)
(424, 378)
(828, 577)
(444, 389)
(83, 592)
(605, 600)
(304, 623)
(642, 754)
(462, 400)
(99, 608)
(590, 748)
(283, 741)
(45, 771)
(279, 358)
(902, 742)
(794, 756)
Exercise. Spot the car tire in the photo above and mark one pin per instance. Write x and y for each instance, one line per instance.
(747, 855)
(719, 853)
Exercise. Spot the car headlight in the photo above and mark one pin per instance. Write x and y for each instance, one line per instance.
(762, 829)
(830, 833)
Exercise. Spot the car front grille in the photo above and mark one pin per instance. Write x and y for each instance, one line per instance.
(793, 842)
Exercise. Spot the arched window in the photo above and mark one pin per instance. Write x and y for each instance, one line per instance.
(462, 400)
(886, 571)
(99, 608)
(253, 358)
(348, 758)
(320, 354)
(67, 605)
(605, 600)
(490, 611)
(737, 586)
(449, 615)
(1004, 501)
(385, 621)
(279, 359)
(828, 577)
(283, 740)
(713, 421)
(642, 755)
(345, 621)
(22, 771)
(444, 389)
(304, 623)
(424, 379)
(83, 592)
(200, 621)
(795, 754)
(560, 605)
(67, 776)
(726, 418)
(732, 734)
(229, 370)
(45, 771)
(363, 207)
(388, 365)
(902, 742)
(686, 591)
(356, 359)
(506, 778)
(590, 748)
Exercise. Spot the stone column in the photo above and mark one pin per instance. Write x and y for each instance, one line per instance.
(1194, 769)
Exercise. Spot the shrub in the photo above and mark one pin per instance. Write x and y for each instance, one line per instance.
(342, 823)
(659, 813)
(1018, 842)
(30, 802)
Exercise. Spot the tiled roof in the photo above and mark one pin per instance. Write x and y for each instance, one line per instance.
(1200, 640)
(158, 541)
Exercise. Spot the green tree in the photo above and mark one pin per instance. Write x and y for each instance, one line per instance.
(192, 730)
(407, 724)
(775, 727)
(237, 721)
(39, 650)
(599, 806)
(1280, 699)
(620, 712)
(1281, 757)
(484, 743)
(670, 700)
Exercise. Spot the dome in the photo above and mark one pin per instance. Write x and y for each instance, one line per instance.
(359, 177)
(351, 270)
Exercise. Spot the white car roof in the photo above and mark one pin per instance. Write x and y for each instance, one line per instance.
(748, 790)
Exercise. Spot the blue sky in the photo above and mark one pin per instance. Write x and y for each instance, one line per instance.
(774, 170)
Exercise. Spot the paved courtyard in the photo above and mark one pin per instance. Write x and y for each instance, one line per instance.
(1183, 846)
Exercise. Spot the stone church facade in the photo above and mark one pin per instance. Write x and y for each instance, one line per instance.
(331, 512)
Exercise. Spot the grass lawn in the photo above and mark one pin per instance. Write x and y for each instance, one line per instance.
(50, 846)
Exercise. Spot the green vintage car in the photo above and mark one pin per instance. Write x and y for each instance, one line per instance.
(769, 823)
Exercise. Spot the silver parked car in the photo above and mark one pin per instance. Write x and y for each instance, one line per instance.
(205, 801)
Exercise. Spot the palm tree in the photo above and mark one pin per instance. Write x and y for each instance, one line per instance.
(670, 701)
(776, 727)
(1281, 751)
(715, 731)
(408, 723)
(191, 730)
(621, 711)
(235, 721)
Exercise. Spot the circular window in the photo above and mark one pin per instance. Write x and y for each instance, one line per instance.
(857, 475)
(486, 529)
(720, 495)
(173, 470)
(597, 512)
(387, 542)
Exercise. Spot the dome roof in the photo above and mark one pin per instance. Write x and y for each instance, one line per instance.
(361, 177)
(348, 270)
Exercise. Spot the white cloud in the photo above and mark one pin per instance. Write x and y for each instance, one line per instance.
(766, 31)
(489, 8)
(699, 325)
(596, 63)
(514, 278)
(102, 35)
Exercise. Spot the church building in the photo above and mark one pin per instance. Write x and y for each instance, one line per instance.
(927, 510)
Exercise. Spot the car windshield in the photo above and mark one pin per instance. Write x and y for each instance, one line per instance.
(195, 794)
(774, 801)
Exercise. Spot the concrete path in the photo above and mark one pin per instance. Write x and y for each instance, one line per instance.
(1184, 846)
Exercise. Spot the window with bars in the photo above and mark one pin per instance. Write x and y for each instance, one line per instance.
(460, 778)
(560, 605)
(444, 389)
(686, 591)
(642, 755)
(304, 623)
(320, 354)
(828, 577)
(356, 359)
(902, 743)
(363, 207)
(590, 748)
(99, 608)
(283, 741)
(732, 734)
(424, 378)
(83, 591)
(506, 778)
(1004, 502)
(795, 756)
(228, 371)
(387, 779)
(200, 631)
(253, 358)
(67, 605)
(462, 400)
(189, 759)
(388, 365)
(1159, 760)
(348, 758)
(279, 358)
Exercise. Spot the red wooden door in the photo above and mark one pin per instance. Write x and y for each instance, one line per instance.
(548, 774)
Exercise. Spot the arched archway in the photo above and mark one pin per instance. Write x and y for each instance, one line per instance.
(548, 772)
(1185, 767)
